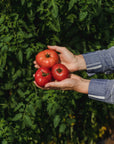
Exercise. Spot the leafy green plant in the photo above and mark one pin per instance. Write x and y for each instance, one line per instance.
(31, 115)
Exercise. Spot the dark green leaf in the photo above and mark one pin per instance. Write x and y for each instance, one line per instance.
(31, 109)
(20, 56)
(7, 86)
(7, 38)
(17, 117)
(22, 2)
(54, 9)
(82, 15)
(62, 128)
(71, 4)
(2, 19)
(56, 121)
(18, 106)
(17, 74)
(27, 120)
(4, 142)
(20, 92)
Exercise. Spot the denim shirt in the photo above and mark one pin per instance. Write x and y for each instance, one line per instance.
(101, 61)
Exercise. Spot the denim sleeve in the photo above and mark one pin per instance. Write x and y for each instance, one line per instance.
(101, 61)
(102, 90)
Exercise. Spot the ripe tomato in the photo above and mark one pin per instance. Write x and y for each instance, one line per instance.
(43, 76)
(47, 58)
(60, 72)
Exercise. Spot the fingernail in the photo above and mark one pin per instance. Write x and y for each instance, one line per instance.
(46, 86)
(36, 66)
(49, 46)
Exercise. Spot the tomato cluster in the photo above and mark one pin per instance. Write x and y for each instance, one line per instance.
(50, 68)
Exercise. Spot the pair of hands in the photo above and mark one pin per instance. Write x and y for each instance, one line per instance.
(73, 63)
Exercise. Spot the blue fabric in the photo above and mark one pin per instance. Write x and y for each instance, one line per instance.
(101, 62)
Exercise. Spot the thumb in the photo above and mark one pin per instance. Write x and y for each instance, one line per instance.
(52, 85)
(74, 76)
(56, 48)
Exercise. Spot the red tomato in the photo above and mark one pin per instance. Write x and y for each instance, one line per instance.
(60, 72)
(43, 76)
(47, 58)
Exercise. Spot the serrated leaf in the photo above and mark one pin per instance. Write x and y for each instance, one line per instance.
(71, 17)
(31, 109)
(18, 106)
(22, 2)
(7, 38)
(62, 128)
(29, 35)
(28, 53)
(82, 15)
(4, 59)
(17, 117)
(7, 86)
(71, 4)
(53, 27)
(27, 120)
(20, 56)
(4, 142)
(54, 9)
(20, 92)
(52, 108)
(56, 121)
(2, 19)
(4, 48)
(17, 74)
(38, 104)
(2, 28)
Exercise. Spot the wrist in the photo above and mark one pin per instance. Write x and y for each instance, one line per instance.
(81, 64)
(82, 85)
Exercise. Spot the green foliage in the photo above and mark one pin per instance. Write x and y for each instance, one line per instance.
(31, 115)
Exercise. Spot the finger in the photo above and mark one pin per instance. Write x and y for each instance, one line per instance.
(36, 66)
(36, 84)
(34, 62)
(33, 75)
(57, 48)
(61, 85)
(55, 85)
(40, 87)
(52, 84)
(73, 76)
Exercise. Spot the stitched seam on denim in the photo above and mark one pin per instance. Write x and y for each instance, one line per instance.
(112, 93)
(95, 67)
(98, 97)
(97, 63)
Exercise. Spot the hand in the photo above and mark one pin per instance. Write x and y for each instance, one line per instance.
(71, 61)
(75, 83)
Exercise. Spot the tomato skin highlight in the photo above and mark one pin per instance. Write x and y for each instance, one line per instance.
(47, 58)
(43, 76)
(60, 72)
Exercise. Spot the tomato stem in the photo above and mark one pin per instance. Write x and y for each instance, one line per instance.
(59, 70)
(47, 55)
(44, 74)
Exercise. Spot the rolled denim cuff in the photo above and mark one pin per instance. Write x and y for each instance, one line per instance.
(101, 90)
(100, 61)
(93, 63)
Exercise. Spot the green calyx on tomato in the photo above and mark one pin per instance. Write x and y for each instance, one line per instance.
(47, 55)
(45, 74)
(59, 70)
(47, 58)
